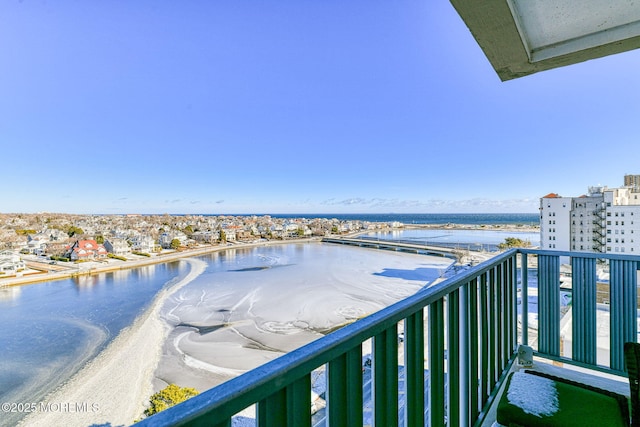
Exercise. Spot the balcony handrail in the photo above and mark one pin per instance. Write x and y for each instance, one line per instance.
(477, 308)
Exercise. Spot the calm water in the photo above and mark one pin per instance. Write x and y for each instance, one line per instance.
(49, 330)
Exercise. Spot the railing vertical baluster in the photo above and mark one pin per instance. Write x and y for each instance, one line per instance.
(485, 339)
(583, 302)
(287, 407)
(473, 351)
(385, 374)
(631, 300)
(414, 365)
(272, 412)
(436, 364)
(493, 332)
(501, 310)
(453, 358)
(513, 302)
(616, 306)
(298, 403)
(524, 298)
(465, 360)
(549, 304)
(623, 305)
(345, 396)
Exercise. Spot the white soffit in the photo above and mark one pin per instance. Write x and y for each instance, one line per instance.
(522, 37)
(551, 28)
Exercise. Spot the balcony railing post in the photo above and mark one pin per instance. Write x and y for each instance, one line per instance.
(485, 340)
(385, 377)
(512, 272)
(549, 304)
(453, 357)
(624, 283)
(493, 332)
(473, 351)
(344, 389)
(287, 407)
(524, 298)
(583, 301)
(436, 364)
(414, 363)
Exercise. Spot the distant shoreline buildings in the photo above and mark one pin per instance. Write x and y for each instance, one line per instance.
(605, 220)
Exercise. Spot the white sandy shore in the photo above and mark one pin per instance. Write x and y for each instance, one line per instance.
(114, 387)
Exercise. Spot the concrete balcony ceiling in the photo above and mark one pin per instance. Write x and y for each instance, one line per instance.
(522, 37)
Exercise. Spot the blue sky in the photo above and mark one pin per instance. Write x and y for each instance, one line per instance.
(293, 107)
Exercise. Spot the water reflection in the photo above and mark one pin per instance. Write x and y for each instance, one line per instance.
(51, 329)
(9, 293)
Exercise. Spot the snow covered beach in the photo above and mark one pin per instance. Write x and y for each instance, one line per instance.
(113, 387)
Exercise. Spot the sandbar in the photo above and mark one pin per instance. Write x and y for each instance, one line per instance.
(113, 388)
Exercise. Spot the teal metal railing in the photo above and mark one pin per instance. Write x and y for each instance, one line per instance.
(620, 305)
(459, 340)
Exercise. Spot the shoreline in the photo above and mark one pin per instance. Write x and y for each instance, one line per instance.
(113, 387)
(116, 265)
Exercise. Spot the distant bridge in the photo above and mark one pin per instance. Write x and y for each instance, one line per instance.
(394, 246)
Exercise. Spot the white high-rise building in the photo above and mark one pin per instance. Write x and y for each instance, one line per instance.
(605, 220)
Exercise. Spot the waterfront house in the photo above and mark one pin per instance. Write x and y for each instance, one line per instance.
(10, 262)
(86, 250)
(166, 238)
(37, 243)
(143, 243)
(117, 246)
(206, 236)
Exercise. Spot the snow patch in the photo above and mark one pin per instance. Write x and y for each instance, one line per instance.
(533, 394)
